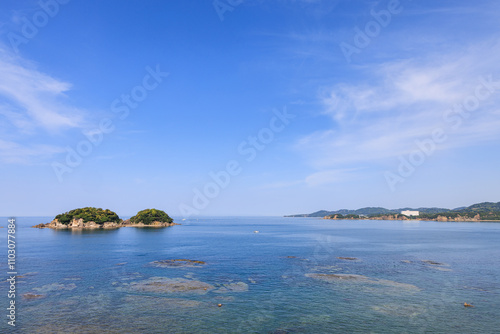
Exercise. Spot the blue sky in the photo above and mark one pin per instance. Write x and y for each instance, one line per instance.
(296, 105)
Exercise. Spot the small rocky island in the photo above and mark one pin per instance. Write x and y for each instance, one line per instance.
(97, 218)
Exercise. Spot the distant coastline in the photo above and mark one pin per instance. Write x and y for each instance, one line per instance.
(486, 211)
(405, 218)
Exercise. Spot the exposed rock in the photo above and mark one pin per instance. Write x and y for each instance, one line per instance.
(459, 218)
(390, 217)
(128, 223)
(347, 258)
(111, 225)
(79, 224)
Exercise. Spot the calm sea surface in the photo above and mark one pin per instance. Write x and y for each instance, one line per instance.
(287, 278)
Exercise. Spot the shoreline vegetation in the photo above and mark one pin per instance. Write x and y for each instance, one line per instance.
(481, 212)
(97, 218)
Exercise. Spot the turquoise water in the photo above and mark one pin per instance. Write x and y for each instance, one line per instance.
(279, 280)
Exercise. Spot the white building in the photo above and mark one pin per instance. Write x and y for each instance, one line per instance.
(410, 213)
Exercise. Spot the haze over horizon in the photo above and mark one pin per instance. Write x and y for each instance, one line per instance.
(214, 108)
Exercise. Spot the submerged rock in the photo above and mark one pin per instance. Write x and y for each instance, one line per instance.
(400, 310)
(171, 285)
(161, 302)
(32, 296)
(286, 331)
(55, 287)
(360, 279)
(347, 258)
(233, 287)
(434, 263)
(437, 265)
(336, 277)
(442, 269)
(177, 263)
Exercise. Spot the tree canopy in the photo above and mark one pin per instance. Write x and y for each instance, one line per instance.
(149, 216)
(88, 214)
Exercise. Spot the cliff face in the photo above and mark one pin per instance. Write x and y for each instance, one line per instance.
(459, 218)
(79, 224)
(391, 217)
(153, 224)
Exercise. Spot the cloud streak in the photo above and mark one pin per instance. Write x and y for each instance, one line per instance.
(31, 102)
(404, 101)
(36, 95)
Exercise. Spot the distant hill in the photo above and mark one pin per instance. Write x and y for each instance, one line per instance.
(481, 207)
(370, 211)
(425, 210)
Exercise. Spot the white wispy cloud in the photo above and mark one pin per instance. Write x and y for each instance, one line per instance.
(31, 103)
(328, 176)
(17, 153)
(402, 101)
(36, 95)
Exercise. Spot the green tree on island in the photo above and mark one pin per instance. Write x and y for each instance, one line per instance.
(149, 216)
(88, 214)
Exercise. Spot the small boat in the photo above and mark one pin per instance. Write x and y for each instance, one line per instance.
(255, 231)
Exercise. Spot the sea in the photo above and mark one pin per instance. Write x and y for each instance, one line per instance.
(254, 275)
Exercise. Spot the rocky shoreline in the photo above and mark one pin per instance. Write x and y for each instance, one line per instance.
(79, 224)
(476, 218)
